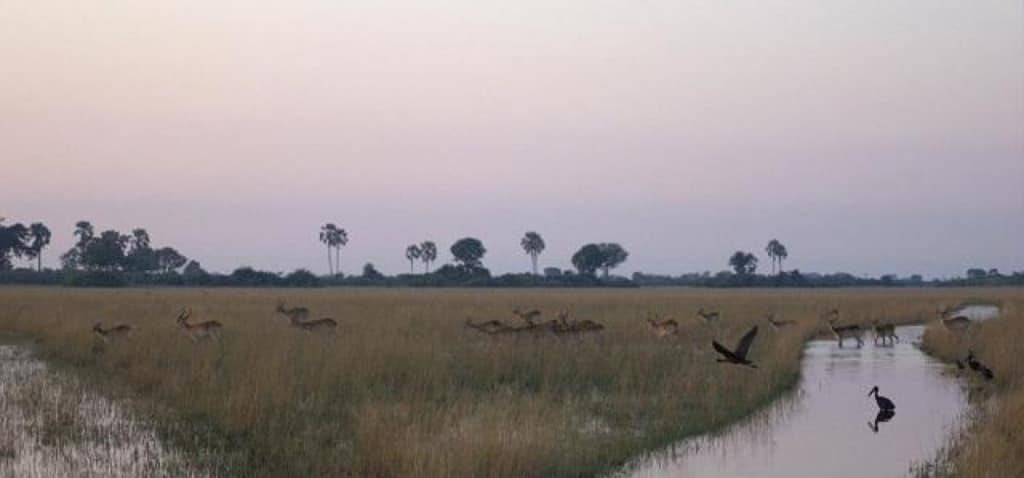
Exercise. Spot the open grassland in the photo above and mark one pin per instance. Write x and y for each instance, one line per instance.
(993, 446)
(404, 388)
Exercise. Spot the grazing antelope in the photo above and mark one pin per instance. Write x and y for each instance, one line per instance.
(885, 331)
(204, 330)
(324, 325)
(527, 316)
(957, 324)
(708, 317)
(112, 333)
(663, 328)
(845, 331)
(491, 327)
(883, 403)
(294, 313)
(778, 324)
(739, 355)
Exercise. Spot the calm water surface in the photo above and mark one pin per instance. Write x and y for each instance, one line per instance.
(827, 427)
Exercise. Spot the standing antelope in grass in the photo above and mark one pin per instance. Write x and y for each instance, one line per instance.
(294, 313)
(663, 328)
(845, 331)
(204, 330)
(112, 333)
(957, 324)
(325, 325)
(885, 331)
(778, 324)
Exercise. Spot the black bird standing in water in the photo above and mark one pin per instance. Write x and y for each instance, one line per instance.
(883, 403)
(882, 417)
(739, 356)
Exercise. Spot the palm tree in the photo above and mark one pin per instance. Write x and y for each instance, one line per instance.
(340, 239)
(772, 249)
(533, 244)
(412, 253)
(40, 239)
(428, 254)
(327, 233)
(781, 253)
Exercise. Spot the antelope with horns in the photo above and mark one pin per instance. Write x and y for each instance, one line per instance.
(202, 331)
(845, 331)
(294, 313)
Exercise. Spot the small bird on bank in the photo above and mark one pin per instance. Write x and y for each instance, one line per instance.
(883, 403)
(739, 355)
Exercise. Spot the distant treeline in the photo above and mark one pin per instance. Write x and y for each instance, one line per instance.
(113, 259)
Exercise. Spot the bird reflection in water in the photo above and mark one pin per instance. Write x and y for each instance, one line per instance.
(882, 417)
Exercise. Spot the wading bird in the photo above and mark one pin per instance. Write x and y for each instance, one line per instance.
(882, 417)
(738, 356)
(883, 403)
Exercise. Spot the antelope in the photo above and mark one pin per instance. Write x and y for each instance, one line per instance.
(884, 331)
(491, 327)
(579, 328)
(708, 317)
(737, 356)
(778, 324)
(294, 313)
(663, 328)
(112, 333)
(201, 331)
(956, 324)
(326, 324)
(527, 316)
(846, 331)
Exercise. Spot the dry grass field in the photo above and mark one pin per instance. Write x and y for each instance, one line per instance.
(404, 388)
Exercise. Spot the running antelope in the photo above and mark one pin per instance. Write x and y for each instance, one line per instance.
(708, 317)
(778, 324)
(112, 333)
(663, 328)
(845, 331)
(957, 324)
(885, 331)
(578, 328)
(491, 327)
(201, 331)
(324, 325)
(294, 313)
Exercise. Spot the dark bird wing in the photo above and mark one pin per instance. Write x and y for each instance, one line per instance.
(744, 344)
(724, 351)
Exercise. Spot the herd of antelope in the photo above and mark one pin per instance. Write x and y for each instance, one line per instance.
(298, 317)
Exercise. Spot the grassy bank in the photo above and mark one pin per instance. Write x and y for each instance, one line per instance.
(405, 389)
(993, 446)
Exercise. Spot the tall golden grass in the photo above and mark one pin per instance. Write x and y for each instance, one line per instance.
(405, 389)
(993, 447)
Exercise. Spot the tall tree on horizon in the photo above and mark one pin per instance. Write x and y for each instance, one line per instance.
(327, 234)
(340, 240)
(428, 254)
(412, 253)
(777, 252)
(614, 254)
(534, 245)
(40, 235)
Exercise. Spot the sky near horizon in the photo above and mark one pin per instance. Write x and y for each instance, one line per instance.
(869, 137)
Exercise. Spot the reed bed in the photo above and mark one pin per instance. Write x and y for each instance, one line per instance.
(992, 446)
(403, 388)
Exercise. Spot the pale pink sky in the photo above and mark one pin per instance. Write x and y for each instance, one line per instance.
(869, 136)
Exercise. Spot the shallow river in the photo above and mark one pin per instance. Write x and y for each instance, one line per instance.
(827, 426)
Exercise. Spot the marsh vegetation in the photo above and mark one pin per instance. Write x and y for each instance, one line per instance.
(404, 388)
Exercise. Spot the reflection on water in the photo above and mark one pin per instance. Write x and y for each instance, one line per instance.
(819, 429)
(978, 312)
(50, 425)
